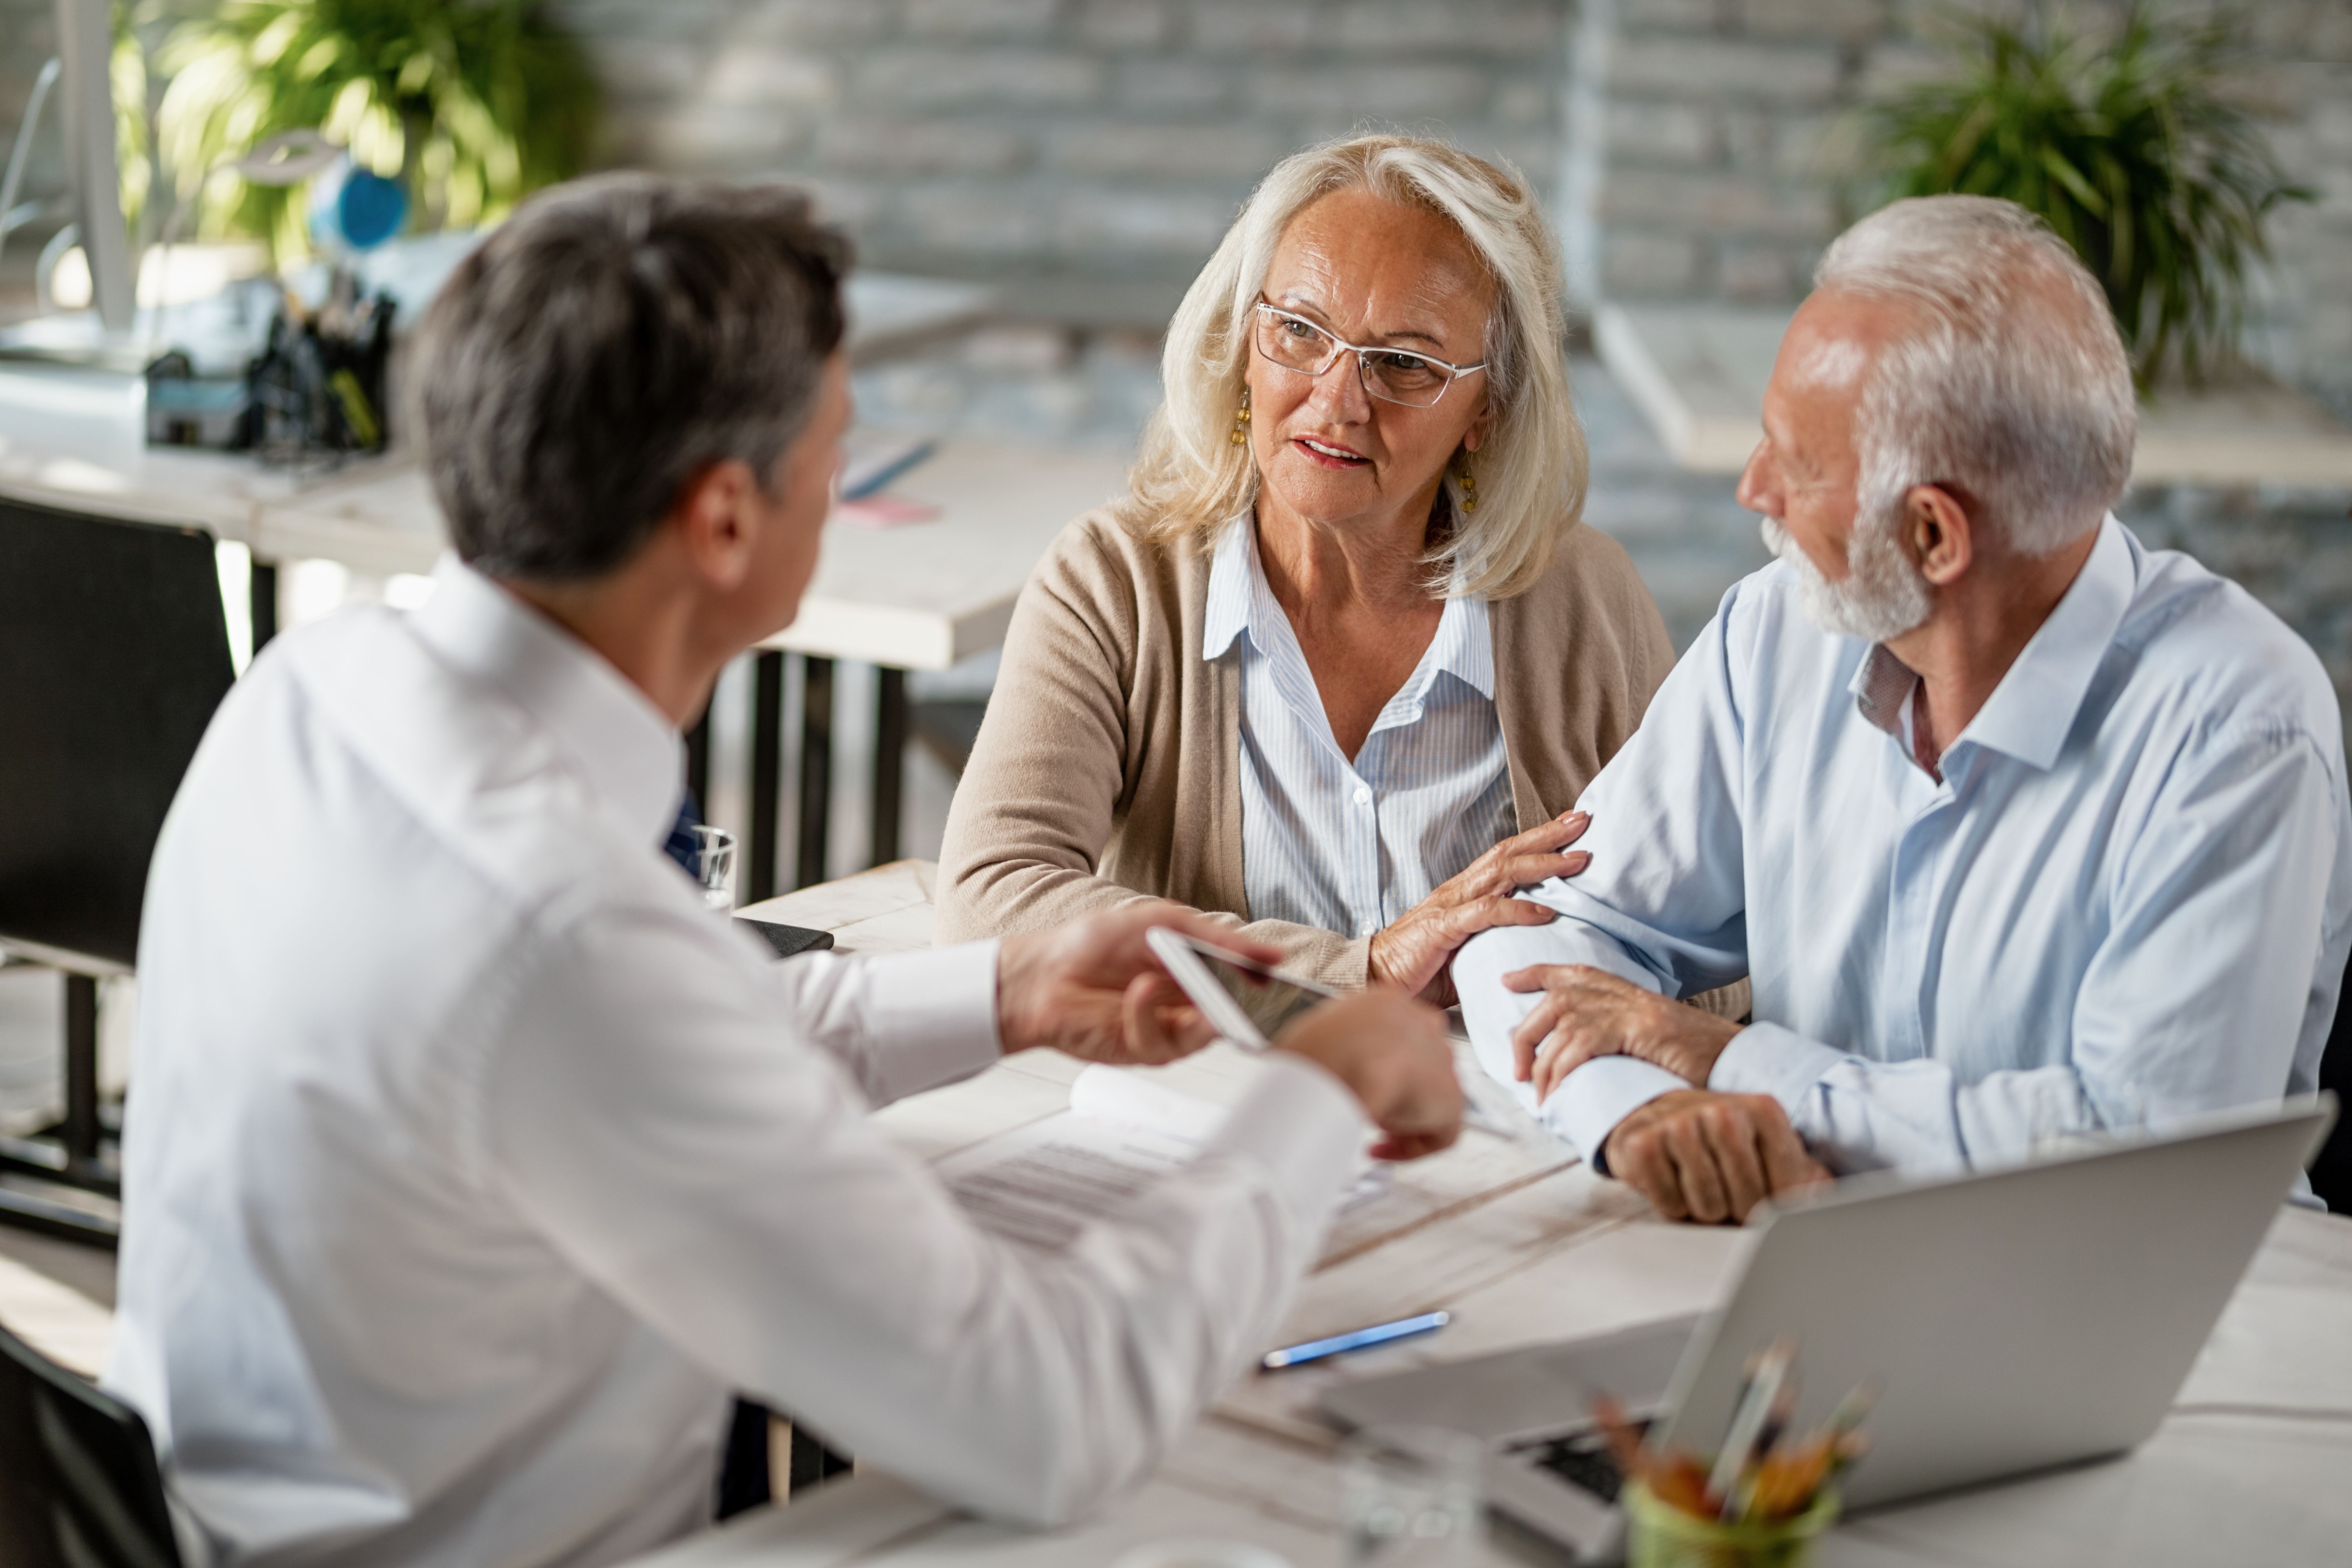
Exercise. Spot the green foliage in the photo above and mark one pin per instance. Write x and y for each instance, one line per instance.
(470, 103)
(2128, 144)
(126, 70)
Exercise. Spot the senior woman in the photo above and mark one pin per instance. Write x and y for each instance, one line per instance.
(1343, 658)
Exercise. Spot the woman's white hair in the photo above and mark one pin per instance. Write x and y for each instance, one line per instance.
(1191, 479)
(2013, 387)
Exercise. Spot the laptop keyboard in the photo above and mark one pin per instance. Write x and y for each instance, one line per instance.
(1582, 1461)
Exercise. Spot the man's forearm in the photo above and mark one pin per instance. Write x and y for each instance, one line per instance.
(899, 1022)
(1856, 1114)
(1587, 1106)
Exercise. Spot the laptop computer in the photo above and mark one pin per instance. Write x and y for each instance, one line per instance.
(2014, 1319)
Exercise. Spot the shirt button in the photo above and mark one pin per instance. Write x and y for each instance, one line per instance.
(1363, 796)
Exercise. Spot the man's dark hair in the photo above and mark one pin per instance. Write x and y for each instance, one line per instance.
(607, 343)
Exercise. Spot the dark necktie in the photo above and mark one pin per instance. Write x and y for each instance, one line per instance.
(743, 1457)
(680, 845)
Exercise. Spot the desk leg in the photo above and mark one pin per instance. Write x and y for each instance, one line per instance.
(81, 1131)
(816, 769)
(889, 761)
(262, 586)
(767, 773)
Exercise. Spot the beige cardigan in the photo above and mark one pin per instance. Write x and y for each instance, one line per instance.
(1107, 766)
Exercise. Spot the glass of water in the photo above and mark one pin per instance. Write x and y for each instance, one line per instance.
(714, 854)
(1409, 1498)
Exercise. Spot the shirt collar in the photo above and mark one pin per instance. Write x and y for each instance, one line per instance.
(1239, 596)
(1464, 647)
(1881, 685)
(1234, 575)
(2031, 711)
(625, 747)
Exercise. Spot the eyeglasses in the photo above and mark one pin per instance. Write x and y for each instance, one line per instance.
(1392, 375)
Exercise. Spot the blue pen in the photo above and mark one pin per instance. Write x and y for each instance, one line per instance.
(873, 483)
(1355, 1339)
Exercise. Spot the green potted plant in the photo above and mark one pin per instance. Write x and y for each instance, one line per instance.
(469, 104)
(2127, 142)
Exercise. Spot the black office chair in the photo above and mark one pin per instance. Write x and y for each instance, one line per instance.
(2331, 1173)
(78, 1483)
(113, 654)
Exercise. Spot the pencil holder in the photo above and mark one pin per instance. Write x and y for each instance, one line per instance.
(1659, 1536)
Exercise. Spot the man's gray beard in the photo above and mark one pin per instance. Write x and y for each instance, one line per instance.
(1882, 595)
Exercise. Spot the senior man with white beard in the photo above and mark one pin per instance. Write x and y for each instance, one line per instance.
(2020, 829)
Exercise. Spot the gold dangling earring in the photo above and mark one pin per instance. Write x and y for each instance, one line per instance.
(1469, 483)
(1241, 421)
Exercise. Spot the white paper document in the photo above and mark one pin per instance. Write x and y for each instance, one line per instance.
(1041, 1185)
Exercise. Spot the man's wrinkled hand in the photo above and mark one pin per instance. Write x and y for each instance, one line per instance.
(1697, 1155)
(1585, 1013)
(1094, 988)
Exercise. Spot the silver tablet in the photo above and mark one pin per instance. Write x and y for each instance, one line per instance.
(1246, 1001)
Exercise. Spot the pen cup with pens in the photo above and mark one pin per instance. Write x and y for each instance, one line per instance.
(1661, 1535)
(1768, 1494)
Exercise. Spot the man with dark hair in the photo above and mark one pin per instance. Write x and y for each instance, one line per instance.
(474, 1162)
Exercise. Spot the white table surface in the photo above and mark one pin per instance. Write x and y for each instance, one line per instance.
(919, 596)
(924, 595)
(1698, 373)
(2254, 1466)
(54, 1319)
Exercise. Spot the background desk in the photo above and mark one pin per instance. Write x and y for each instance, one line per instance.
(918, 596)
(2253, 1466)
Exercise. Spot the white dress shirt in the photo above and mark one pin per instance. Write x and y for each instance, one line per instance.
(471, 1162)
(1345, 844)
(2128, 899)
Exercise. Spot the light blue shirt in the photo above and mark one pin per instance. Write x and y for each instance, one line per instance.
(2125, 901)
(1349, 845)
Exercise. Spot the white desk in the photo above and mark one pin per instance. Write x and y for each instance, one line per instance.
(56, 1319)
(2253, 1467)
(918, 596)
(1698, 372)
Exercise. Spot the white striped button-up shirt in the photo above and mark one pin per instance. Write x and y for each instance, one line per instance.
(1351, 844)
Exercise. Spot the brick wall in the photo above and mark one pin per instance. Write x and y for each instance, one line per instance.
(28, 37)
(1102, 138)
(1689, 145)
(2307, 335)
(1704, 139)
(1695, 130)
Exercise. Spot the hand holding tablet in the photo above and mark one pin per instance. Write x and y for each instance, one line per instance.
(1390, 1049)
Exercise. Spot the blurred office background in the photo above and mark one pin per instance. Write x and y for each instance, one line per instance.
(1082, 157)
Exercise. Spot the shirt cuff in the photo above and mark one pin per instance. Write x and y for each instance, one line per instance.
(934, 1012)
(1767, 1058)
(1590, 1101)
(1304, 1128)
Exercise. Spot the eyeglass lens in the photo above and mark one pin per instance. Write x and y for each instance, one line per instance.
(1393, 374)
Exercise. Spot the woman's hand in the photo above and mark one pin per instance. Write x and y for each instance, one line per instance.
(1416, 953)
